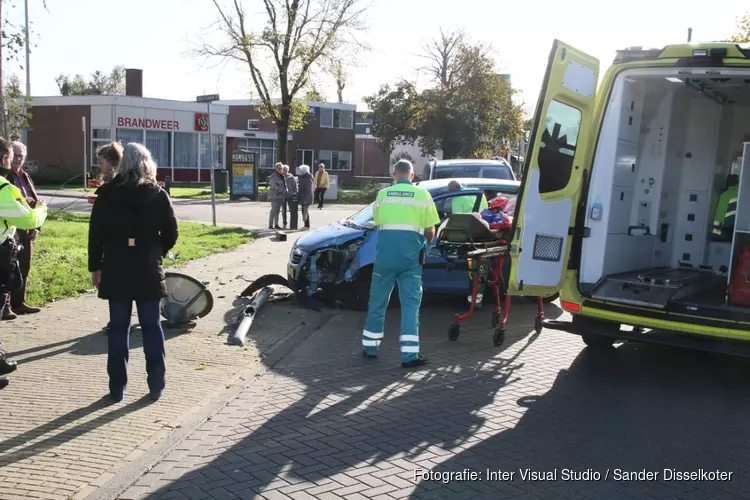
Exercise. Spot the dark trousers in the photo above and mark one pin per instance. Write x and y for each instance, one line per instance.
(284, 206)
(119, 345)
(18, 297)
(293, 213)
(319, 195)
(3, 300)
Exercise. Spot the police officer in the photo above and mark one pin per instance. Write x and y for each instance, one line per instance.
(15, 213)
(406, 218)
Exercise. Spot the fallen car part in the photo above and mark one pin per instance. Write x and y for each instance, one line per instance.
(248, 315)
(264, 281)
(187, 299)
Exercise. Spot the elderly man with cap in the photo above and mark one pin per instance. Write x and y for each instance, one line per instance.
(16, 302)
(406, 218)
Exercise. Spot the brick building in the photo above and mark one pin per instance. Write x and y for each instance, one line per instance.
(328, 136)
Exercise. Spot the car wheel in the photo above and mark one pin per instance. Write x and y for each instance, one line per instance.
(359, 292)
(595, 341)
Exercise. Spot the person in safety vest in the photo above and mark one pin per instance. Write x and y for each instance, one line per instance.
(465, 205)
(726, 209)
(15, 213)
(406, 218)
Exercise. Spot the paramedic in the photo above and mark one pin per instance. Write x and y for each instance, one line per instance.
(406, 218)
(726, 209)
(15, 213)
(465, 205)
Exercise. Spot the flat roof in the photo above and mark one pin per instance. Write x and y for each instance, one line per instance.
(312, 104)
(123, 100)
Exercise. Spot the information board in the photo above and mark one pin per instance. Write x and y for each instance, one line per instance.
(244, 179)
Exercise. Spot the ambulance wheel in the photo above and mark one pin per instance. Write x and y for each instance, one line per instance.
(595, 341)
(454, 331)
(499, 337)
(538, 324)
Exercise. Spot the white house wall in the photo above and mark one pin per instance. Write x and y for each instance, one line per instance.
(418, 159)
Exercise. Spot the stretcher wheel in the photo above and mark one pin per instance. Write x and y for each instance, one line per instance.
(499, 337)
(538, 324)
(496, 318)
(454, 331)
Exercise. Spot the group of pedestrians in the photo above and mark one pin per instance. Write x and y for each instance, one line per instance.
(287, 192)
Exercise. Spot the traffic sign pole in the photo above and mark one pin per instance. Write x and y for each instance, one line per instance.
(207, 99)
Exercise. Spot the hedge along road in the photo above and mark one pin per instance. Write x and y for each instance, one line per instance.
(236, 213)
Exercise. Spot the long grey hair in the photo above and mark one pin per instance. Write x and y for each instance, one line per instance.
(137, 166)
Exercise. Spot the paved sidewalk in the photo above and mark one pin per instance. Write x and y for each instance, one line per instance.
(325, 423)
(60, 437)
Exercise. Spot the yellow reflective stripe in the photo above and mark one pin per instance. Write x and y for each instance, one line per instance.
(401, 227)
(732, 213)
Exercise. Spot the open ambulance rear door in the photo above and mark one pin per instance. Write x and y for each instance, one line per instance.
(552, 174)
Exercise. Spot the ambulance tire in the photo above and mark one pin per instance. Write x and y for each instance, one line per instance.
(595, 341)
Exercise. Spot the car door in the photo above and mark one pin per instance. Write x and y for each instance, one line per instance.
(440, 276)
(552, 174)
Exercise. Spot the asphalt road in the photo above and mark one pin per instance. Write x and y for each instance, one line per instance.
(238, 213)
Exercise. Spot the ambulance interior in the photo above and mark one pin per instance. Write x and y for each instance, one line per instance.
(668, 145)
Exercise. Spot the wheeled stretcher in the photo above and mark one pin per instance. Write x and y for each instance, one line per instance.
(464, 236)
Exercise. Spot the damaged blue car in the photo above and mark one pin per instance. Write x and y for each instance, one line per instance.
(336, 261)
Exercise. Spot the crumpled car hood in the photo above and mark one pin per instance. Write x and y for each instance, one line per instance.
(330, 235)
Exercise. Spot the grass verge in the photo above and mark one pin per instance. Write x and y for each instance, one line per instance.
(59, 266)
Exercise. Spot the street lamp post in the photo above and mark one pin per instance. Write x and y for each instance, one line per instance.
(208, 99)
(28, 49)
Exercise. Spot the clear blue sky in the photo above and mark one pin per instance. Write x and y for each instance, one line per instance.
(80, 36)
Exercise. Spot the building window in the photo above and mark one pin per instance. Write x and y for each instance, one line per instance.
(218, 149)
(305, 157)
(336, 118)
(253, 124)
(185, 150)
(264, 149)
(99, 137)
(127, 135)
(336, 160)
(159, 143)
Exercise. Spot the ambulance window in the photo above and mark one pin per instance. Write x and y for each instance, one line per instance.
(557, 147)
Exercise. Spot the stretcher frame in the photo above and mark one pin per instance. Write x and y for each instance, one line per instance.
(493, 253)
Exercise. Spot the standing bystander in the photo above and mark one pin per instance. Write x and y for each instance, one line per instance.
(292, 198)
(16, 302)
(321, 184)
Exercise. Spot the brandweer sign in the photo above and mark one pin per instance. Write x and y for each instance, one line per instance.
(147, 123)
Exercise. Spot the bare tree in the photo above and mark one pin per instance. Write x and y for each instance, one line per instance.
(298, 37)
(339, 74)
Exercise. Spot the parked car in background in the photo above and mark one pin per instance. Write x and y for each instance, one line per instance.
(475, 169)
(337, 259)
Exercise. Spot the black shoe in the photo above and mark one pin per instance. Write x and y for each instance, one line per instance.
(369, 356)
(4, 383)
(7, 366)
(420, 361)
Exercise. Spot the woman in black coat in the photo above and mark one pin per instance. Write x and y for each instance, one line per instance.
(132, 229)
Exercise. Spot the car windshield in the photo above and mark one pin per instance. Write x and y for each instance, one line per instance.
(363, 219)
(474, 170)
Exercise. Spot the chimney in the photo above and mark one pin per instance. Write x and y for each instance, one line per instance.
(134, 82)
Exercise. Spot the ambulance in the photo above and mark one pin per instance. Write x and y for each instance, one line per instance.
(619, 194)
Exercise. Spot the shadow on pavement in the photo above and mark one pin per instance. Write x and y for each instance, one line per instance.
(93, 344)
(637, 408)
(329, 410)
(55, 440)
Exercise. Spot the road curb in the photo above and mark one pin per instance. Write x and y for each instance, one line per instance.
(115, 482)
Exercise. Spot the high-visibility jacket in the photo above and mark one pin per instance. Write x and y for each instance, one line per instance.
(465, 204)
(726, 211)
(402, 212)
(15, 211)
